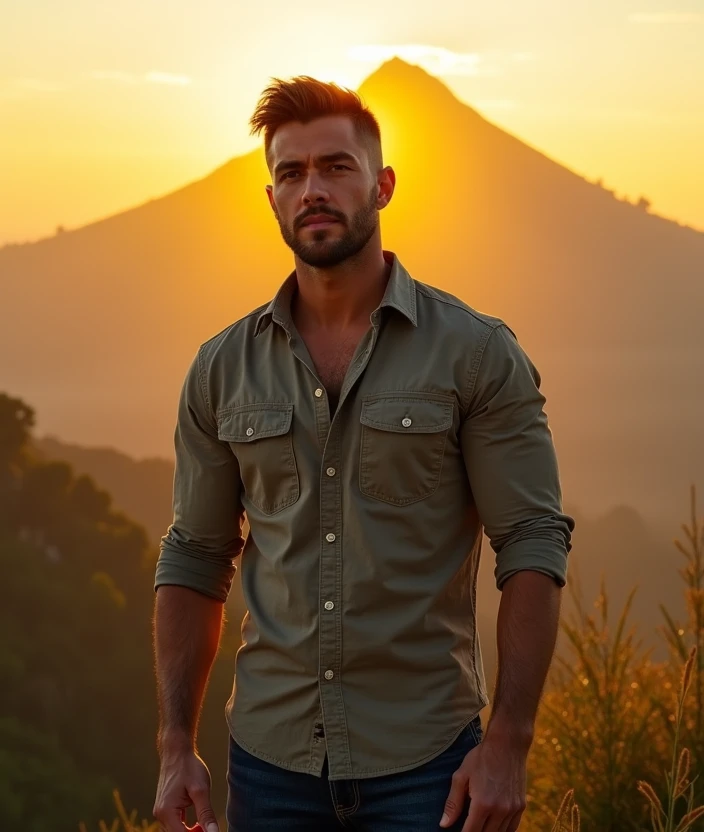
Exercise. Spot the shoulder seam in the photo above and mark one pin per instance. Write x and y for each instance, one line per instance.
(459, 306)
(201, 381)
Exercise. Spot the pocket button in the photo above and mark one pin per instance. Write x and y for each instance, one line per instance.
(406, 422)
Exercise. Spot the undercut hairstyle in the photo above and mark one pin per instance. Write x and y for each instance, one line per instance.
(304, 99)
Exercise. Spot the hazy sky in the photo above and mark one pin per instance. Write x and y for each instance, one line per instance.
(104, 105)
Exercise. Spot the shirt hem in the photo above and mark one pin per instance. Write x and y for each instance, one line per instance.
(363, 774)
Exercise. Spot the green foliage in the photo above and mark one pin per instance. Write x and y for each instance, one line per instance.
(16, 422)
(78, 713)
(76, 689)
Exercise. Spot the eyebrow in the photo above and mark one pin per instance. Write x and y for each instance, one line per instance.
(338, 156)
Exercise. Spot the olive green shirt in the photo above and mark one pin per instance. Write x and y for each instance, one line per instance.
(359, 570)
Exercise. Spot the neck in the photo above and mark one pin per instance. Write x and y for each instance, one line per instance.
(341, 297)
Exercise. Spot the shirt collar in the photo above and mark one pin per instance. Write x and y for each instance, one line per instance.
(400, 294)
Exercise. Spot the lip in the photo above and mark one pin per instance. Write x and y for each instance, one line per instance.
(318, 221)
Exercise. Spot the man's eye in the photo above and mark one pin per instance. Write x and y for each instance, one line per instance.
(286, 175)
(341, 166)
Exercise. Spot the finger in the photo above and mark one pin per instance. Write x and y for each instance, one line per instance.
(204, 811)
(477, 821)
(510, 822)
(514, 822)
(455, 799)
(171, 820)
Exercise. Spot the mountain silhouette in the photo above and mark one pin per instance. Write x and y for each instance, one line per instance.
(98, 324)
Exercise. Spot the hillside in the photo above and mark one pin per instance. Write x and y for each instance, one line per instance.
(98, 325)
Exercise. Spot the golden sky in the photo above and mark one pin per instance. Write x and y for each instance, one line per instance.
(105, 105)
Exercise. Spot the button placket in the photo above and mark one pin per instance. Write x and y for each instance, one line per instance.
(330, 625)
(330, 654)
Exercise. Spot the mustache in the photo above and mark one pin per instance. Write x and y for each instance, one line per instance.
(317, 212)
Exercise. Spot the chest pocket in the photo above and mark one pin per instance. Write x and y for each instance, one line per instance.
(260, 437)
(402, 445)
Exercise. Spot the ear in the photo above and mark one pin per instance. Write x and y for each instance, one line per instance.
(270, 194)
(387, 184)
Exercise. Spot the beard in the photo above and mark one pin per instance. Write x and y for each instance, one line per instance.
(324, 251)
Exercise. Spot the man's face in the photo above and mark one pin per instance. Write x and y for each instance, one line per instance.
(321, 168)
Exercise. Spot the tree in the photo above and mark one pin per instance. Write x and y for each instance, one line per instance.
(16, 422)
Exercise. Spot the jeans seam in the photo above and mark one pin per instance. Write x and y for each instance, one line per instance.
(346, 812)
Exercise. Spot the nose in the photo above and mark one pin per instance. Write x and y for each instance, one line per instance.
(314, 191)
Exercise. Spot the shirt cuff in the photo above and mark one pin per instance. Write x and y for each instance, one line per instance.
(539, 554)
(183, 569)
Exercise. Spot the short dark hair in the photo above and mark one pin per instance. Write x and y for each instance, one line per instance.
(304, 99)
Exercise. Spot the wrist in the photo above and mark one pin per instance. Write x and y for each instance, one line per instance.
(173, 742)
(510, 731)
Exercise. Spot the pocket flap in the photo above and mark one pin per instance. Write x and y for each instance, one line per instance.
(250, 422)
(407, 413)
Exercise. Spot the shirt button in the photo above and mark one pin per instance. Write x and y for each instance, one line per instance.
(406, 422)
(330, 537)
(329, 605)
(319, 392)
(329, 674)
(250, 431)
(330, 472)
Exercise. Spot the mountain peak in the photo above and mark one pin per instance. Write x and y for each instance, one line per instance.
(396, 78)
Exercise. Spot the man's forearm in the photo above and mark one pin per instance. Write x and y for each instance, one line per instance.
(528, 620)
(187, 628)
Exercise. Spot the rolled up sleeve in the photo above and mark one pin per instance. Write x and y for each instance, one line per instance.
(205, 536)
(512, 465)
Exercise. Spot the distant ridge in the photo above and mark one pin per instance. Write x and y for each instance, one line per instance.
(99, 324)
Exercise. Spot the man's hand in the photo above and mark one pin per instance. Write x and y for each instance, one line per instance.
(493, 775)
(184, 780)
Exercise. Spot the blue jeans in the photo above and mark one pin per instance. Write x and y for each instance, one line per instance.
(263, 797)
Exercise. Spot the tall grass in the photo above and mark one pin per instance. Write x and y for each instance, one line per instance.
(626, 754)
(123, 822)
(595, 719)
(678, 779)
(682, 637)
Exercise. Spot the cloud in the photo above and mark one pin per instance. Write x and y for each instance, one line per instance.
(435, 59)
(666, 17)
(148, 78)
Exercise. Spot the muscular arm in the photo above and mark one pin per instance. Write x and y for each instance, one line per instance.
(512, 469)
(187, 629)
(527, 627)
(193, 578)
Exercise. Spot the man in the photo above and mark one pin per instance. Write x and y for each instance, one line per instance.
(370, 426)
